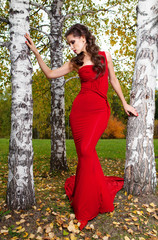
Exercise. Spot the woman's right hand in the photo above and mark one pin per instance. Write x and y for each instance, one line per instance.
(30, 43)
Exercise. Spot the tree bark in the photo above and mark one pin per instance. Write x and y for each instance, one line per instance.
(58, 146)
(20, 189)
(140, 172)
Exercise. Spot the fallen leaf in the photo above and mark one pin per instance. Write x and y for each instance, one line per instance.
(4, 231)
(72, 227)
(95, 236)
(125, 227)
(26, 234)
(130, 231)
(51, 235)
(22, 220)
(65, 233)
(126, 238)
(116, 223)
(145, 205)
(18, 228)
(108, 235)
(32, 236)
(23, 215)
(154, 231)
(127, 219)
(150, 210)
(105, 238)
(39, 230)
(73, 237)
(72, 216)
(51, 225)
(134, 219)
(139, 213)
(54, 213)
(130, 223)
(92, 226)
(21, 230)
(130, 196)
(39, 238)
(155, 216)
(48, 209)
(8, 216)
(152, 205)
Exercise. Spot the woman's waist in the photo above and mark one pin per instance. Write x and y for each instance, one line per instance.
(85, 89)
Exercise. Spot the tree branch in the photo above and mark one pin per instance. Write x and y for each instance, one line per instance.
(148, 22)
(44, 25)
(34, 12)
(5, 44)
(40, 6)
(70, 79)
(131, 27)
(88, 11)
(36, 29)
(4, 20)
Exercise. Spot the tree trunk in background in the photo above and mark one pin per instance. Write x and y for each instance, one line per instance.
(58, 145)
(140, 172)
(20, 190)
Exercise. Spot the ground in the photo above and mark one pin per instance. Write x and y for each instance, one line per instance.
(52, 217)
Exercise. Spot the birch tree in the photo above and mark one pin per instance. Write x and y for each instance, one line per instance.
(140, 172)
(20, 189)
(58, 145)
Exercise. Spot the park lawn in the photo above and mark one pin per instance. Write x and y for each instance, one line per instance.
(134, 217)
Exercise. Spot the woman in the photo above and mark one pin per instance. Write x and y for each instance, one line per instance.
(90, 192)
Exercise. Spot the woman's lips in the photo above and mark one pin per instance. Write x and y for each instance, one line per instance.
(74, 51)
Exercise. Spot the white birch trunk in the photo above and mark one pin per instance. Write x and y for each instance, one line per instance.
(20, 190)
(58, 146)
(140, 172)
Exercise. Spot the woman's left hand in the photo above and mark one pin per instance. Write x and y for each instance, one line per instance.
(130, 110)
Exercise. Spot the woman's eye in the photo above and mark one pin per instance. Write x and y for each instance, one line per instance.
(73, 42)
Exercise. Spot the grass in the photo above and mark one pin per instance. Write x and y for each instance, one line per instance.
(134, 217)
(106, 148)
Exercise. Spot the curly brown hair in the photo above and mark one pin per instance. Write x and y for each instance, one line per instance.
(78, 30)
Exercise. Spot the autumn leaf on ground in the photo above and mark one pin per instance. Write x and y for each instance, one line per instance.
(73, 227)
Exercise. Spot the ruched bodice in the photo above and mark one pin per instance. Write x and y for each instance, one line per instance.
(89, 81)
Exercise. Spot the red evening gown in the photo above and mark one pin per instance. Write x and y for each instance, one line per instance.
(90, 192)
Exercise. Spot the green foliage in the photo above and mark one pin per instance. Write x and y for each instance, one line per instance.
(41, 106)
(4, 52)
(156, 129)
(156, 104)
(5, 113)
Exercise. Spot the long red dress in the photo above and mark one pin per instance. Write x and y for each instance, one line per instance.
(90, 192)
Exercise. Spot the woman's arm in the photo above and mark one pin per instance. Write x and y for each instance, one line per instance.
(116, 85)
(66, 68)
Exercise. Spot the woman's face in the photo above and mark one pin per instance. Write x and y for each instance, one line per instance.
(77, 44)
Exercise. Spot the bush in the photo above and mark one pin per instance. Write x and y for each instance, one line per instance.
(115, 129)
